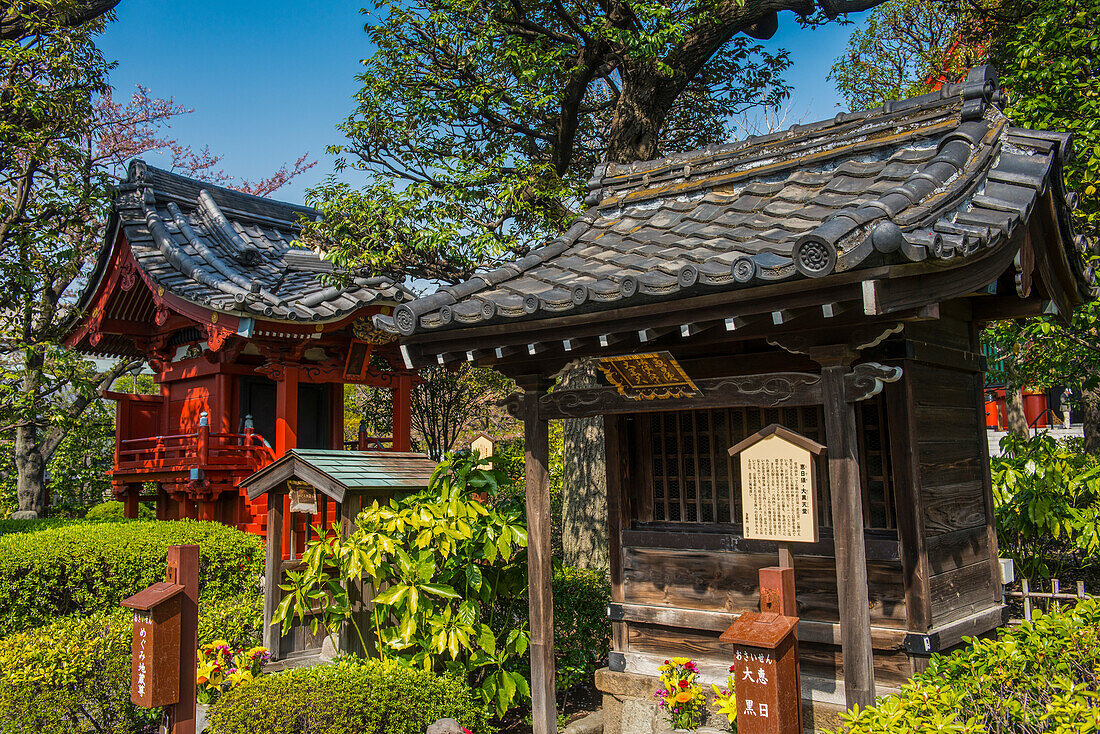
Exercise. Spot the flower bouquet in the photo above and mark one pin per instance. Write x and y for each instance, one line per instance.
(222, 668)
(680, 695)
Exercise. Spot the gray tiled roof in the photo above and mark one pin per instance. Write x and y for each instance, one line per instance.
(939, 176)
(231, 252)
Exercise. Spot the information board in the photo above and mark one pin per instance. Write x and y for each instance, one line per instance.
(779, 485)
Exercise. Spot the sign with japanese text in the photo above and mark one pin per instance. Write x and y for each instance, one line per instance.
(650, 376)
(303, 497)
(765, 673)
(778, 485)
(154, 672)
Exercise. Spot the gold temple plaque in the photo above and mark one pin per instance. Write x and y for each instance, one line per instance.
(779, 485)
(303, 497)
(650, 376)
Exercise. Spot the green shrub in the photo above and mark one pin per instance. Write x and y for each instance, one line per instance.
(582, 631)
(1043, 676)
(71, 676)
(115, 510)
(237, 619)
(13, 527)
(82, 568)
(375, 697)
(1047, 498)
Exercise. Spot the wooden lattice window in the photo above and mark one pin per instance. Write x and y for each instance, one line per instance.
(691, 478)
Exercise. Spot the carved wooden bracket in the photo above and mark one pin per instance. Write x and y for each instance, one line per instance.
(127, 275)
(216, 336)
(866, 380)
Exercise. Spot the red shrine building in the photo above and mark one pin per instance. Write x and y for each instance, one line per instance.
(251, 339)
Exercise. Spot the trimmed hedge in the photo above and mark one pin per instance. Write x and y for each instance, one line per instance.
(82, 568)
(239, 620)
(71, 676)
(349, 697)
(1043, 676)
(116, 510)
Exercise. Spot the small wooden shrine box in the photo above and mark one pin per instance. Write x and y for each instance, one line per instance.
(323, 485)
(154, 679)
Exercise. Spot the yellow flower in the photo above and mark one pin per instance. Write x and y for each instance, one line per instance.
(684, 696)
(680, 661)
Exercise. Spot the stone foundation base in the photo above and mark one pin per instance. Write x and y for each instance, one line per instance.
(629, 706)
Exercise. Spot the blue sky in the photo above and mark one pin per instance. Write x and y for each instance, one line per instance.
(270, 80)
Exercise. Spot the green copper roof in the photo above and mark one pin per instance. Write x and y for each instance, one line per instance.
(337, 472)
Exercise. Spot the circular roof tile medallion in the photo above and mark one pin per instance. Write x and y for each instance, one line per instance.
(814, 257)
(531, 303)
(446, 314)
(743, 269)
(405, 319)
(886, 237)
(629, 286)
(488, 309)
(580, 294)
(936, 247)
(688, 276)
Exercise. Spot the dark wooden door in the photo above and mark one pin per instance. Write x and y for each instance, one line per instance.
(258, 401)
(314, 431)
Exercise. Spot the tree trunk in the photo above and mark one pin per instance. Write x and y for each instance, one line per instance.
(30, 469)
(584, 482)
(30, 463)
(1014, 409)
(639, 115)
(1090, 402)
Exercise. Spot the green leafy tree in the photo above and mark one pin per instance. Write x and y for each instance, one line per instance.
(478, 124)
(902, 49)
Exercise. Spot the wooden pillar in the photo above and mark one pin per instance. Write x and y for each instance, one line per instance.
(402, 412)
(221, 418)
(273, 571)
(286, 411)
(848, 540)
(336, 402)
(536, 437)
(183, 568)
(133, 501)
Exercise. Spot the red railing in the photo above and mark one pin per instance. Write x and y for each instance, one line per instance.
(225, 453)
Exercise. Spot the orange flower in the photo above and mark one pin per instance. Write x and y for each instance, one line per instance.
(684, 697)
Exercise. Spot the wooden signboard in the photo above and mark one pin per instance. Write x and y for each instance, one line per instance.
(765, 670)
(779, 485)
(154, 675)
(650, 376)
(303, 497)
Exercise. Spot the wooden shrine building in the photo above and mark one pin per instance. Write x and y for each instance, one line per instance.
(831, 278)
(251, 341)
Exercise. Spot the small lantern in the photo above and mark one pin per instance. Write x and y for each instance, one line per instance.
(155, 675)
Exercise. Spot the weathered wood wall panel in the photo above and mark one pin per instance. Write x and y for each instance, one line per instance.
(720, 581)
(953, 468)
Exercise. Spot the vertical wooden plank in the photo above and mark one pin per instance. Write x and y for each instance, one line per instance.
(698, 474)
(848, 539)
(905, 465)
(273, 570)
(183, 568)
(349, 639)
(537, 449)
(616, 491)
(987, 478)
(336, 397)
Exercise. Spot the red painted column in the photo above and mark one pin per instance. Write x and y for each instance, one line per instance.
(402, 412)
(286, 437)
(221, 419)
(286, 412)
(132, 501)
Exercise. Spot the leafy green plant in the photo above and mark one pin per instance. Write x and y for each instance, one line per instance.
(441, 559)
(349, 697)
(1047, 500)
(70, 677)
(81, 568)
(1043, 676)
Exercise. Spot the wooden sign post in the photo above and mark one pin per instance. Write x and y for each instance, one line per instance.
(165, 641)
(778, 500)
